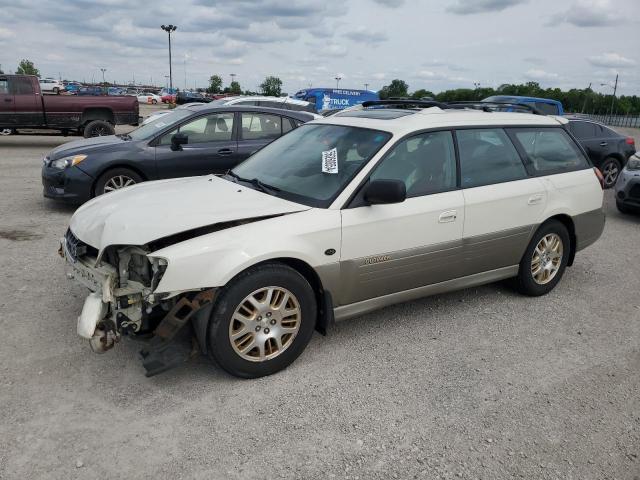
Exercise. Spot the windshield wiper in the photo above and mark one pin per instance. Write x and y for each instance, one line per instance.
(263, 187)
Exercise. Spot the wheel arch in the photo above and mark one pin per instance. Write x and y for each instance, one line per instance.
(97, 113)
(324, 300)
(113, 167)
(567, 221)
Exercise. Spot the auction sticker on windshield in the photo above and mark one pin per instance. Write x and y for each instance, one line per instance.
(330, 161)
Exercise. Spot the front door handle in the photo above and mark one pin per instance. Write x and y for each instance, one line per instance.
(225, 151)
(603, 144)
(8, 99)
(535, 199)
(448, 216)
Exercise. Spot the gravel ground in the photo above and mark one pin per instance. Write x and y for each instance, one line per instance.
(480, 383)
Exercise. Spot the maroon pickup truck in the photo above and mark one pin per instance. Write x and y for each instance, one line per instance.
(22, 105)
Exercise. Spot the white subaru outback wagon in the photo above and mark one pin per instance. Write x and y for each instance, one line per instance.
(341, 216)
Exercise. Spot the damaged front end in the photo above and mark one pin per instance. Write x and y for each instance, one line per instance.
(122, 280)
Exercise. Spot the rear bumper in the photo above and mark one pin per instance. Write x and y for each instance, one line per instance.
(70, 185)
(588, 227)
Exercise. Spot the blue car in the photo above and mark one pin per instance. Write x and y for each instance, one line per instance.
(543, 105)
(90, 91)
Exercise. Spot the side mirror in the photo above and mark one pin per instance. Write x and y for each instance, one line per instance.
(178, 140)
(385, 191)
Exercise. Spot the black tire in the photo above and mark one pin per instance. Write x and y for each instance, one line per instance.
(98, 128)
(218, 341)
(610, 176)
(154, 101)
(525, 282)
(622, 208)
(112, 175)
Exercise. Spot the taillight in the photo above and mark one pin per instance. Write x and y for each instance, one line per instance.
(599, 175)
(630, 141)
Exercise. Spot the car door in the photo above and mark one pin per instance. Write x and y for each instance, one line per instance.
(211, 147)
(588, 133)
(396, 247)
(257, 130)
(7, 107)
(27, 102)
(503, 204)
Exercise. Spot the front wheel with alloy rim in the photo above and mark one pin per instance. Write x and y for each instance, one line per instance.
(98, 128)
(116, 179)
(262, 321)
(545, 259)
(610, 169)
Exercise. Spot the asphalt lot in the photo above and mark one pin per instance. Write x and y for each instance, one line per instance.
(481, 383)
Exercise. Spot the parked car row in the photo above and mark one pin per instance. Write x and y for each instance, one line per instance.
(290, 239)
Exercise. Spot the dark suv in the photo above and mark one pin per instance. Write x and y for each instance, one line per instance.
(608, 150)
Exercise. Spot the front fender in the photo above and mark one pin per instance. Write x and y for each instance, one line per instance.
(213, 259)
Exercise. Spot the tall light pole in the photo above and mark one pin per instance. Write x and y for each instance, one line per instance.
(103, 70)
(338, 81)
(366, 86)
(169, 29)
(233, 79)
(615, 88)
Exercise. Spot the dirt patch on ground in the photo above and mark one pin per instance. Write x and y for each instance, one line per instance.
(19, 235)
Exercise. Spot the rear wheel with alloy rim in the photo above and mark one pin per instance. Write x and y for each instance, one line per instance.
(262, 321)
(610, 170)
(116, 179)
(545, 259)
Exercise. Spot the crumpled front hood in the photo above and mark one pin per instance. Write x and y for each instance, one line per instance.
(84, 146)
(152, 210)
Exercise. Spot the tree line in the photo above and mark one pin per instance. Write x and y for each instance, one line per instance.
(575, 100)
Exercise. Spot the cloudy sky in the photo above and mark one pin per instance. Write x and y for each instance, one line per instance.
(432, 44)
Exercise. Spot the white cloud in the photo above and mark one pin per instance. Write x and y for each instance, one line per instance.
(589, 13)
(611, 60)
(537, 74)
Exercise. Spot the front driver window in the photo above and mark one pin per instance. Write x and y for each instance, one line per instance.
(426, 163)
(217, 127)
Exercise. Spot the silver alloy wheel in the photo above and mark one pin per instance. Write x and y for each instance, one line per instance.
(265, 324)
(118, 182)
(5, 131)
(547, 258)
(610, 173)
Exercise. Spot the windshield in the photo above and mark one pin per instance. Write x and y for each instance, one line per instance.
(313, 163)
(147, 131)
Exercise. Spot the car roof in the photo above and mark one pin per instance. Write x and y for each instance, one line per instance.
(299, 115)
(434, 117)
(265, 98)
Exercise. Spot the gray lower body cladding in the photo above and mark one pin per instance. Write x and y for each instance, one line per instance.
(358, 286)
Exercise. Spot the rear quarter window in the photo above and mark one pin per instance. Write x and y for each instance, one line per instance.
(549, 150)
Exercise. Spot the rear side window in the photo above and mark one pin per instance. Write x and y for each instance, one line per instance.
(549, 150)
(287, 125)
(260, 126)
(22, 86)
(583, 129)
(487, 156)
(4, 86)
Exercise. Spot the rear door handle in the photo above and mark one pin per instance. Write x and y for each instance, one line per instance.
(535, 199)
(448, 216)
(225, 151)
(603, 144)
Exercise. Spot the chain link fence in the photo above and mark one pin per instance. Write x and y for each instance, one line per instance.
(632, 121)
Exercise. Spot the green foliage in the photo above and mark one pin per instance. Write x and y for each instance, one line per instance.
(215, 84)
(422, 93)
(574, 101)
(234, 88)
(26, 67)
(272, 87)
(397, 88)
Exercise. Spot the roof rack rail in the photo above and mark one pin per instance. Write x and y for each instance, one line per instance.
(406, 103)
(491, 106)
